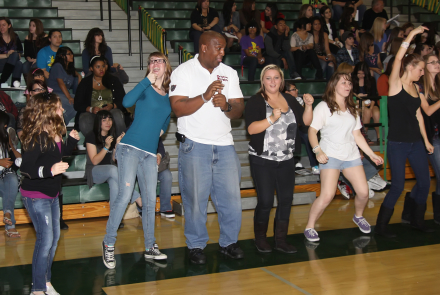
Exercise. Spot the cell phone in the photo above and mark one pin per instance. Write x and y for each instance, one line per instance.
(180, 137)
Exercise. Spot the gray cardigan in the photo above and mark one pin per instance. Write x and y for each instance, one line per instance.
(235, 20)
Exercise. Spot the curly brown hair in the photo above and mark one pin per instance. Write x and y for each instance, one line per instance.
(330, 96)
(167, 75)
(40, 116)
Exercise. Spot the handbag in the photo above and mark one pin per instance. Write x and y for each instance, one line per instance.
(164, 163)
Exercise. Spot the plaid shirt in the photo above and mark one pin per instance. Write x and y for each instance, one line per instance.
(344, 56)
(9, 106)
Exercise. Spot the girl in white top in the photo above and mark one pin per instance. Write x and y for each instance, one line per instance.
(338, 120)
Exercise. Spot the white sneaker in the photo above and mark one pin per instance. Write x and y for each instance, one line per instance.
(370, 193)
(154, 253)
(315, 170)
(51, 291)
(108, 256)
(377, 183)
(343, 189)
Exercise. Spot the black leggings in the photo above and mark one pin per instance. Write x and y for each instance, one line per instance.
(302, 58)
(270, 176)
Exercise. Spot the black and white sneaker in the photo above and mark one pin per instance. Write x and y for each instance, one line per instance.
(154, 253)
(108, 256)
(168, 214)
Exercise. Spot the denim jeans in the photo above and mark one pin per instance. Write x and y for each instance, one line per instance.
(416, 153)
(269, 176)
(252, 64)
(370, 170)
(14, 60)
(328, 70)
(8, 191)
(434, 158)
(133, 162)
(166, 181)
(210, 169)
(45, 215)
(109, 174)
(69, 111)
(302, 58)
(27, 66)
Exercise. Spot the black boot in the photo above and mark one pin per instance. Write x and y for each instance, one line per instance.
(436, 207)
(418, 221)
(260, 230)
(63, 225)
(382, 222)
(280, 232)
(408, 209)
(6, 73)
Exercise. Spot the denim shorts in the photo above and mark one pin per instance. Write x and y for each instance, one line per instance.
(333, 163)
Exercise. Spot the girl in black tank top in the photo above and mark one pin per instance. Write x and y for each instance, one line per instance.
(407, 141)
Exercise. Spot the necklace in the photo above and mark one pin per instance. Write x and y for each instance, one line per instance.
(97, 83)
(100, 95)
(160, 89)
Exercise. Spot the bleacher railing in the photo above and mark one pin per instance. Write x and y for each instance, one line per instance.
(184, 55)
(154, 32)
(125, 6)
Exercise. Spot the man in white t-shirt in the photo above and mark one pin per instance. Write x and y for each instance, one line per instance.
(205, 95)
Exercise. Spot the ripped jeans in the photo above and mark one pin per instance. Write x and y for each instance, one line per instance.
(133, 162)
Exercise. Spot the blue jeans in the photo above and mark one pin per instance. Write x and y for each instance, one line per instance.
(131, 163)
(434, 158)
(69, 111)
(210, 169)
(45, 215)
(109, 174)
(328, 70)
(8, 191)
(416, 153)
(28, 66)
(166, 181)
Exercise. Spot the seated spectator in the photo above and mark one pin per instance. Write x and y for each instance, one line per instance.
(229, 22)
(432, 35)
(407, 28)
(101, 144)
(252, 45)
(374, 12)
(345, 68)
(382, 82)
(306, 11)
(302, 44)
(269, 16)
(63, 77)
(10, 49)
(348, 53)
(330, 29)
(96, 92)
(203, 18)
(36, 74)
(358, 5)
(248, 13)
(7, 106)
(364, 85)
(366, 53)
(46, 55)
(396, 32)
(290, 88)
(395, 45)
(380, 37)
(95, 45)
(322, 49)
(278, 48)
(10, 161)
(348, 24)
(423, 49)
(34, 41)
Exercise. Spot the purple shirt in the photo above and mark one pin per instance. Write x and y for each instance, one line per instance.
(253, 45)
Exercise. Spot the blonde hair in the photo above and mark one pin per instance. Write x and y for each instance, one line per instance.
(377, 29)
(344, 68)
(168, 70)
(262, 90)
(40, 116)
(430, 92)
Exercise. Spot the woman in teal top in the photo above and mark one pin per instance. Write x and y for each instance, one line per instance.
(136, 155)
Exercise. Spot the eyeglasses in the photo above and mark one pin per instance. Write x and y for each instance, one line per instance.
(252, 27)
(157, 61)
(292, 89)
(435, 62)
(38, 90)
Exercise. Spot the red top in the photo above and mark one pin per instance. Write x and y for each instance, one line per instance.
(268, 24)
(382, 85)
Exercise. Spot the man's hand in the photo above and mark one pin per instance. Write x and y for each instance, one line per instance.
(219, 100)
(215, 86)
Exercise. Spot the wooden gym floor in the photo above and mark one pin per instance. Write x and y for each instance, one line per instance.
(345, 261)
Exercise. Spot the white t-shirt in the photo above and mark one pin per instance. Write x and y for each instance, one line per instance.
(330, 35)
(337, 140)
(349, 53)
(208, 125)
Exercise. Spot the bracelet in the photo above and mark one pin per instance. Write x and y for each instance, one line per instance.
(405, 45)
(315, 148)
(204, 98)
(91, 110)
(268, 120)
(104, 148)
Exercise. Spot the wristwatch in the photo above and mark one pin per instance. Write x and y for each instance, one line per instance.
(229, 108)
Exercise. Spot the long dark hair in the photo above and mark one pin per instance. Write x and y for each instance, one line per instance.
(367, 40)
(330, 97)
(4, 137)
(11, 32)
(252, 23)
(32, 82)
(61, 57)
(394, 33)
(321, 31)
(301, 24)
(432, 32)
(39, 31)
(89, 44)
(368, 84)
(227, 11)
(247, 10)
(274, 12)
(345, 22)
(100, 142)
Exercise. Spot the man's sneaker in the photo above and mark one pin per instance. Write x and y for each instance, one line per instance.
(311, 235)
(315, 170)
(168, 214)
(362, 223)
(295, 76)
(299, 166)
(234, 251)
(50, 290)
(376, 183)
(13, 136)
(344, 189)
(154, 253)
(108, 256)
(370, 193)
(197, 256)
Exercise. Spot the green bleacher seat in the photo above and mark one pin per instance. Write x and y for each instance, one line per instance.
(174, 23)
(74, 45)
(48, 23)
(249, 89)
(177, 35)
(22, 33)
(99, 192)
(187, 5)
(78, 62)
(290, 24)
(232, 59)
(16, 95)
(25, 3)
(189, 46)
(31, 12)
(157, 13)
(76, 162)
(291, 15)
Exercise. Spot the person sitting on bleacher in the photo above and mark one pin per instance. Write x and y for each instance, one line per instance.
(229, 22)
(46, 55)
(348, 53)
(269, 16)
(63, 77)
(322, 48)
(248, 13)
(278, 48)
(99, 91)
(252, 45)
(306, 11)
(203, 18)
(34, 41)
(10, 49)
(330, 29)
(8, 106)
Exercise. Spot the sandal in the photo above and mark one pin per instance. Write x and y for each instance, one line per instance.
(7, 220)
(12, 234)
